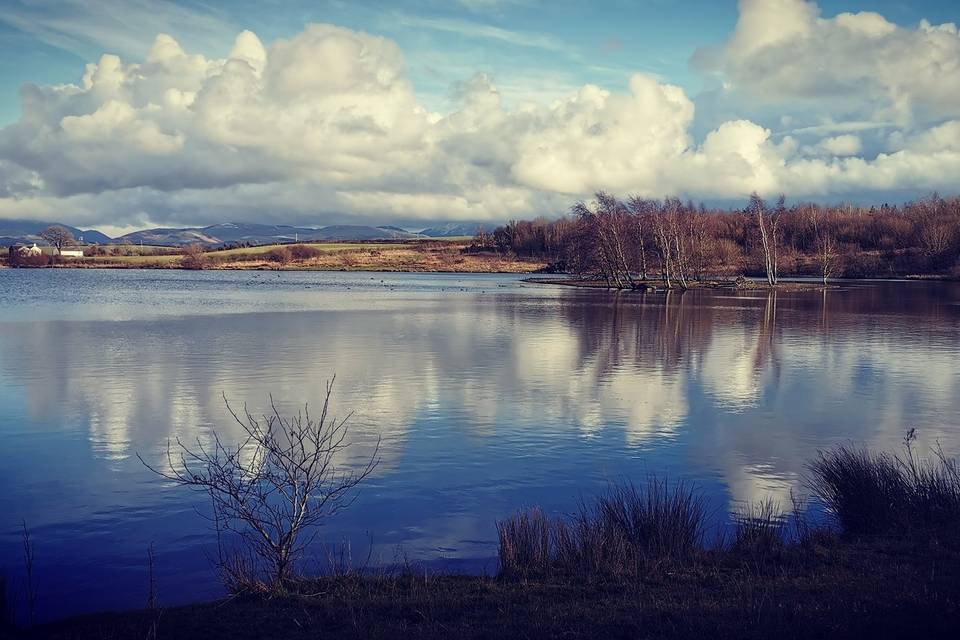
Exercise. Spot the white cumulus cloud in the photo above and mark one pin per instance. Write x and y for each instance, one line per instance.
(325, 126)
(783, 51)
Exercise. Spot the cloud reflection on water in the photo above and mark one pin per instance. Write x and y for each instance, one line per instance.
(485, 401)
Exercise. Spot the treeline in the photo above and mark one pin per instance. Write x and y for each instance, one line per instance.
(627, 242)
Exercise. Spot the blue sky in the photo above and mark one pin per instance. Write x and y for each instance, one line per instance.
(563, 47)
(801, 90)
(545, 46)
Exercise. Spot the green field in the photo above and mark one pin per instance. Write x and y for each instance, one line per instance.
(159, 255)
(322, 246)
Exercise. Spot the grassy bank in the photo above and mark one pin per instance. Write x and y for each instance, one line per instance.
(641, 562)
(418, 256)
(831, 589)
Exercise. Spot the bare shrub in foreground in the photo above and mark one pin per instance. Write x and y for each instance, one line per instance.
(273, 490)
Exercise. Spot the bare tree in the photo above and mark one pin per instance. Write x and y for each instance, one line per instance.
(276, 487)
(640, 209)
(58, 237)
(613, 228)
(824, 240)
(671, 238)
(482, 239)
(661, 236)
(700, 241)
(607, 223)
(194, 257)
(677, 218)
(767, 224)
(935, 231)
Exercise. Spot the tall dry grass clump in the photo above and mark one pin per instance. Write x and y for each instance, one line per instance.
(526, 541)
(622, 532)
(877, 493)
(662, 520)
(862, 489)
(760, 529)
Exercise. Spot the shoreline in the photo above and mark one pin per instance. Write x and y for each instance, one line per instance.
(652, 286)
(631, 563)
(811, 589)
(120, 267)
(529, 269)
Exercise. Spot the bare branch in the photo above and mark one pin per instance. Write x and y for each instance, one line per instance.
(273, 489)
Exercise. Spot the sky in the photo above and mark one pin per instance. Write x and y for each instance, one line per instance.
(122, 115)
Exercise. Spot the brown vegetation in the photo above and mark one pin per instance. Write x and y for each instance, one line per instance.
(425, 256)
(58, 237)
(20, 260)
(194, 258)
(420, 256)
(304, 252)
(281, 255)
(623, 533)
(272, 490)
(622, 243)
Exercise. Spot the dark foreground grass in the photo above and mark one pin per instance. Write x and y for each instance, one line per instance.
(636, 563)
(830, 589)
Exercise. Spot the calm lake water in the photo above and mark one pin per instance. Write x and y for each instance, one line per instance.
(489, 395)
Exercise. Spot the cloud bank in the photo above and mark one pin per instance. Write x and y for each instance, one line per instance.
(325, 126)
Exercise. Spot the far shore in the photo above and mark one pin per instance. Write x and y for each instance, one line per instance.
(436, 256)
(432, 256)
(484, 265)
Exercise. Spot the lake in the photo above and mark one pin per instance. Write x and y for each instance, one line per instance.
(489, 395)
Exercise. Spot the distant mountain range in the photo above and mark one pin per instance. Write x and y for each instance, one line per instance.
(455, 229)
(27, 231)
(230, 233)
